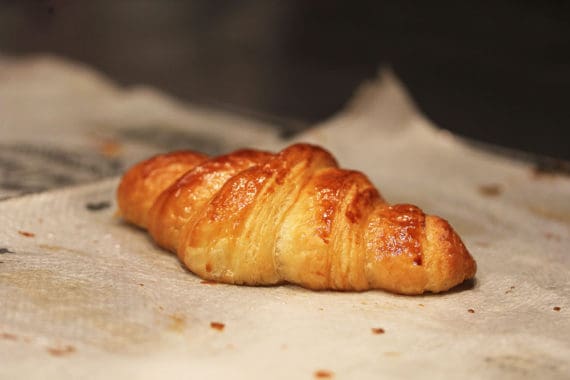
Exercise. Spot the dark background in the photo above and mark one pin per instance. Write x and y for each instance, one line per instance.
(494, 71)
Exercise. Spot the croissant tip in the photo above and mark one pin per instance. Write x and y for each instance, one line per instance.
(450, 263)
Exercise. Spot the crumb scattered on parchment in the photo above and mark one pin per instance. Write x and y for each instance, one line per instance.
(61, 351)
(26, 233)
(551, 236)
(490, 190)
(556, 308)
(14, 337)
(421, 305)
(323, 374)
(140, 284)
(8, 336)
(510, 290)
(109, 147)
(217, 326)
(470, 311)
(378, 330)
(5, 250)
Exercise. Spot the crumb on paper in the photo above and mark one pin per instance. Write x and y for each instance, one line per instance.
(140, 284)
(378, 330)
(471, 311)
(8, 336)
(109, 148)
(323, 374)
(4, 250)
(556, 308)
(551, 236)
(26, 233)
(217, 326)
(61, 351)
(510, 290)
(490, 190)
(421, 305)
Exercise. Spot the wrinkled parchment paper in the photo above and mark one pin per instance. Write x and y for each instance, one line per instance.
(63, 124)
(84, 295)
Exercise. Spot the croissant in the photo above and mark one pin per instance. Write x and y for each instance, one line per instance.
(255, 218)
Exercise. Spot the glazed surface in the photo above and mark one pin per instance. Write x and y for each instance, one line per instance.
(256, 218)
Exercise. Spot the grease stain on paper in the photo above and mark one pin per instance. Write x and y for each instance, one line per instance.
(177, 322)
(524, 365)
(66, 301)
(555, 215)
(57, 248)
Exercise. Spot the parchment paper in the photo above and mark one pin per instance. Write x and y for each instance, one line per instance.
(62, 123)
(85, 296)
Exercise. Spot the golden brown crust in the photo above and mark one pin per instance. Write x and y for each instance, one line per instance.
(255, 218)
(242, 220)
(190, 193)
(448, 262)
(145, 181)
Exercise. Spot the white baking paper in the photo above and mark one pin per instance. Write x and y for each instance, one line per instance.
(84, 295)
(62, 123)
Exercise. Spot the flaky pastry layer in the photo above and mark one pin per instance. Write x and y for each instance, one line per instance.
(256, 218)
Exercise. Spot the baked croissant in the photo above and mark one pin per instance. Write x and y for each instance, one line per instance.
(256, 218)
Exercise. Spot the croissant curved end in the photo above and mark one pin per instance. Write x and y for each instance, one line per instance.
(447, 262)
(144, 182)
